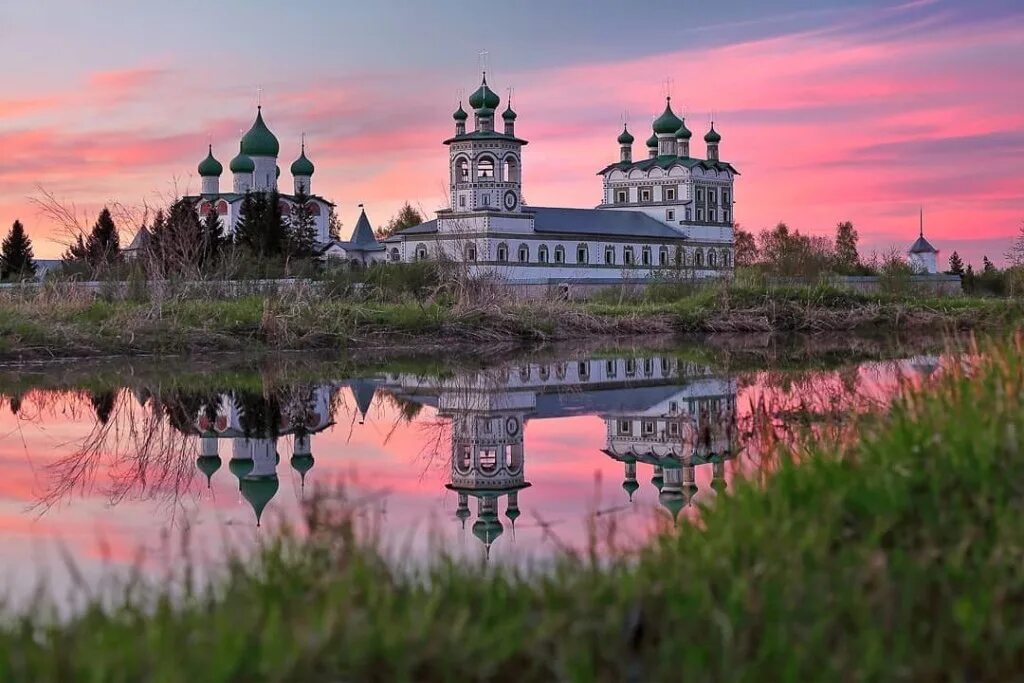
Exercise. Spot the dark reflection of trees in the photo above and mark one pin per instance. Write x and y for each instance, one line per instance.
(103, 404)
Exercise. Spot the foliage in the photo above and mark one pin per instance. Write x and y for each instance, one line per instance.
(261, 228)
(177, 243)
(99, 250)
(300, 242)
(16, 257)
(788, 253)
(333, 225)
(846, 258)
(956, 265)
(407, 217)
(745, 248)
(1015, 255)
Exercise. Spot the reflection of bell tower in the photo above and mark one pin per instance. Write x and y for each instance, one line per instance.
(487, 464)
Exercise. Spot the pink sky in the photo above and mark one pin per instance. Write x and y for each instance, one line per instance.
(865, 118)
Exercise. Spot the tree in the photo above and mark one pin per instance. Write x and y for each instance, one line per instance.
(847, 260)
(956, 265)
(969, 282)
(260, 227)
(986, 265)
(301, 233)
(1015, 256)
(177, 244)
(745, 247)
(16, 257)
(333, 225)
(406, 217)
(100, 249)
(790, 254)
(214, 239)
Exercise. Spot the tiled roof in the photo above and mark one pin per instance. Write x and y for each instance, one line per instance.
(666, 161)
(600, 222)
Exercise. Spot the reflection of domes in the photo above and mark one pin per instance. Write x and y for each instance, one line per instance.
(487, 528)
(259, 491)
(672, 501)
(302, 464)
(240, 467)
(208, 465)
(630, 486)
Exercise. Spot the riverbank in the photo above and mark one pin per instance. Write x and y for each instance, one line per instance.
(50, 325)
(895, 555)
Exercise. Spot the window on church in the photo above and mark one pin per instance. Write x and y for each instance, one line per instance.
(670, 194)
(524, 253)
(689, 214)
(700, 194)
(559, 254)
(625, 427)
(725, 258)
(700, 214)
(630, 367)
(502, 253)
(542, 254)
(471, 252)
(725, 215)
(581, 253)
(627, 255)
(583, 369)
(711, 215)
(648, 366)
(462, 170)
(485, 199)
(645, 194)
(611, 368)
(698, 258)
(465, 458)
(394, 254)
(511, 169)
(673, 428)
(488, 459)
(222, 208)
(462, 201)
(421, 252)
(725, 197)
(609, 256)
(485, 168)
(670, 214)
(648, 427)
(712, 259)
(621, 196)
(645, 256)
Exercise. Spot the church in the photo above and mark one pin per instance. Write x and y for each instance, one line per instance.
(667, 211)
(255, 169)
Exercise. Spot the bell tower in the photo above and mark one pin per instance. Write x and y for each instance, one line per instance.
(485, 163)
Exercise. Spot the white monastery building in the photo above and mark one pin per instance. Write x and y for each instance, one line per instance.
(668, 210)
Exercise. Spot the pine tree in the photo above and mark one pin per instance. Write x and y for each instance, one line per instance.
(16, 258)
(301, 232)
(986, 265)
(247, 225)
(103, 246)
(275, 230)
(847, 260)
(956, 265)
(214, 239)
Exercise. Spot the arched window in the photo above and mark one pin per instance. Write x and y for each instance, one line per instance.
(544, 372)
(222, 208)
(471, 252)
(559, 254)
(725, 258)
(627, 255)
(421, 252)
(698, 258)
(524, 373)
(485, 168)
(314, 209)
(285, 207)
(502, 253)
(461, 170)
(712, 258)
(524, 253)
(465, 459)
(663, 256)
(645, 256)
(582, 253)
(511, 170)
(609, 256)
(394, 254)
(560, 370)
(204, 208)
(542, 253)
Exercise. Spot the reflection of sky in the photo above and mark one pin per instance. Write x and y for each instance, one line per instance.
(833, 110)
(385, 465)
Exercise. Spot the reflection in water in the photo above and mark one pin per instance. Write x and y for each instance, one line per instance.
(685, 426)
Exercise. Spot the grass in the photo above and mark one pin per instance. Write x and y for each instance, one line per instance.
(63, 322)
(895, 556)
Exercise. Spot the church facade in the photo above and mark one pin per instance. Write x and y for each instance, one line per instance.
(666, 212)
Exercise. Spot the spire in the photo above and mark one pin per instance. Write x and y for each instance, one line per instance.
(920, 232)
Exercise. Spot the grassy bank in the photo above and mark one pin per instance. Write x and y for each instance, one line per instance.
(895, 557)
(59, 323)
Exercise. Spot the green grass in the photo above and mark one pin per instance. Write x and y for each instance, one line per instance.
(896, 557)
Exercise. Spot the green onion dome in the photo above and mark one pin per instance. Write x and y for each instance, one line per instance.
(683, 133)
(259, 141)
(302, 166)
(242, 163)
(210, 167)
(460, 114)
(625, 138)
(208, 465)
(668, 122)
(652, 142)
(508, 114)
(259, 491)
(484, 97)
(713, 135)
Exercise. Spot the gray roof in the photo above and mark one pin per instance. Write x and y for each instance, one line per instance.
(666, 161)
(600, 222)
(363, 233)
(922, 246)
(140, 240)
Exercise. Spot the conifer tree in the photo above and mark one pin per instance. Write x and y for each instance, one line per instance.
(301, 232)
(247, 225)
(986, 265)
(213, 237)
(956, 265)
(16, 257)
(103, 246)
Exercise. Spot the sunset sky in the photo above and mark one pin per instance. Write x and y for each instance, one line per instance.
(831, 109)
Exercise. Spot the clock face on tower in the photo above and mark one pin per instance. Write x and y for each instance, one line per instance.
(511, 200)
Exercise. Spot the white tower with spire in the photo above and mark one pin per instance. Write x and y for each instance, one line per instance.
(922, 256)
